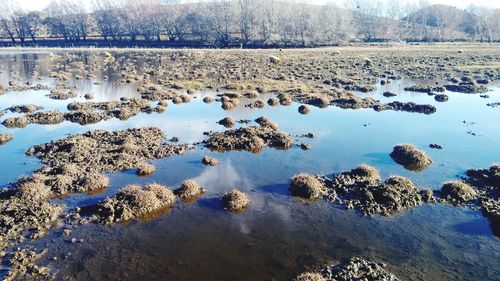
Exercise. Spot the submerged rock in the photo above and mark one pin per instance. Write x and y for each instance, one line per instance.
(235, 200)
(410, 157)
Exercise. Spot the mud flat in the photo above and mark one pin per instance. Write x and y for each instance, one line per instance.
(73, 165)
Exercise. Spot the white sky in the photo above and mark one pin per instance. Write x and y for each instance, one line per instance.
(40, 4)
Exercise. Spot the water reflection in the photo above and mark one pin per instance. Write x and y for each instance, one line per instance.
(277, 236)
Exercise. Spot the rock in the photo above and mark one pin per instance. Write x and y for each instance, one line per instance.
(265, 122)
(89, 96)
(5, 138)
(227, 122)
(441, 98)
(458, 192)
(304, 109)
(389, 94)
(435, 146)
(208, 99)
(305, 146)
(410, 157)
(274, 59)
(273, 101)
(235, 200)
(209, 161)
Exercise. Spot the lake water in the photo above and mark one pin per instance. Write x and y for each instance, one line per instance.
(278, 236)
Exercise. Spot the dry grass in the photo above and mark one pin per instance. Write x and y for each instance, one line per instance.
(145, 169)
(458, 192)
(235, 200)
(306, 186)
(189, 190)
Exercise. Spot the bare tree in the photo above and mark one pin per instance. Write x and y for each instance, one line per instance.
(108, 19)
(247, 19)
(6, 10)
(221, 19)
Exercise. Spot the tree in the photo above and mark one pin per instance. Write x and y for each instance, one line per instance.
(108, 19)
(221, 19)
(6, 8)
(246, 20)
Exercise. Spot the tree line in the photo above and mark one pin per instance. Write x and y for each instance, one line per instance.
(247, 22)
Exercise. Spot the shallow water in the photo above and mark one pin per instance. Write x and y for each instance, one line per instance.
(277, 236)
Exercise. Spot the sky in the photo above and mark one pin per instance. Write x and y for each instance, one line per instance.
(40, 4)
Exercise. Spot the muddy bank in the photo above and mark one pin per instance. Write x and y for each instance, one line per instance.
(251, 138)
(363, 190)
(73, 165)
(354, 269)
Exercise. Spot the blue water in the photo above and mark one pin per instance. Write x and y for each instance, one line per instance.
(277, 236)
